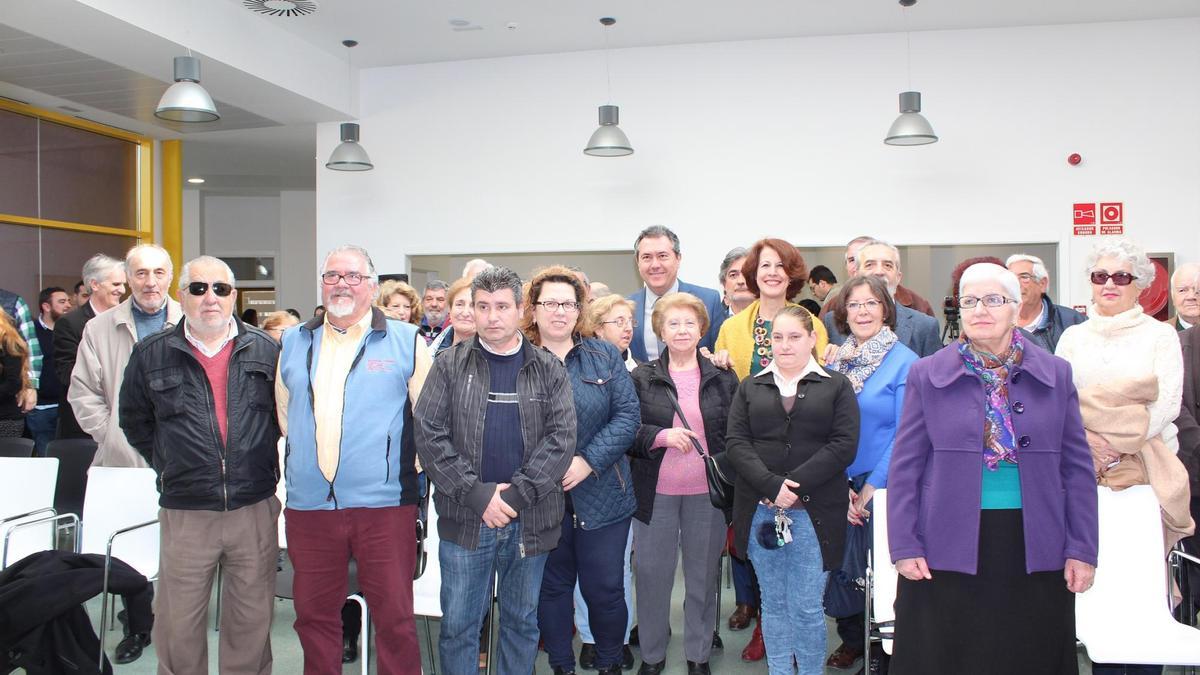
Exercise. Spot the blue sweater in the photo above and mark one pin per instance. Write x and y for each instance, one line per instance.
(879, 405)
(503, 447)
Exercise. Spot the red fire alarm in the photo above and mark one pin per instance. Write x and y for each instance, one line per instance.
(1074, 159)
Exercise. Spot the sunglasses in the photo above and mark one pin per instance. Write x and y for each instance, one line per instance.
(1118, 278)
(220, 288)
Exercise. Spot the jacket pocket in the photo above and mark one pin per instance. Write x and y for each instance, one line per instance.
(260, 385)
(167, 388)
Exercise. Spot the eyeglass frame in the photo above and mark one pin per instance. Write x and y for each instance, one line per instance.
(971, 301)
(621, 322)
(568, 306)
(221, 289)
(338, 276)
(1100, 277)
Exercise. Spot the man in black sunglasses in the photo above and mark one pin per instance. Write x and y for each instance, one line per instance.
(198, 403)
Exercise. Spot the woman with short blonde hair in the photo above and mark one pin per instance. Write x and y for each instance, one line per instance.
(399, 301)
(612, 320)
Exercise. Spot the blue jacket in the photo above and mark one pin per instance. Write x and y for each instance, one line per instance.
(607, 417)
(1058, 319)
(918, 332)
(879, 406)
(717, 312)
(376, 464)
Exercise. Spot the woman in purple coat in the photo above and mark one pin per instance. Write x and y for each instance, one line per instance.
(991, 499)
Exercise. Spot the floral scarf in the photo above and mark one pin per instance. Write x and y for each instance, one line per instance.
(999, 442)
(858, 362)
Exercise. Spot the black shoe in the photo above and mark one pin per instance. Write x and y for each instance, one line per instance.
(633, 636)
(124, 619)
(611, 670)
(626, 658)
(652, 668)
(717, 642)
(130, 649)
(349, 649)
(559, 670)
(698, 668)
(587, 656)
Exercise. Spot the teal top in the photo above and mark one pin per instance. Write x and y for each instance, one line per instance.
(1002, 487)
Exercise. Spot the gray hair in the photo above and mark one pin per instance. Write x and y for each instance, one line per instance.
(1193, 268)
(436, 285)
(984, 272)
(185, 275)
(140, 249)
(494, 279)
(657, 231)
(877, 242)
(1039, 268)
(97, 268)
(734, 253)
(1126, 251)
(351, 248)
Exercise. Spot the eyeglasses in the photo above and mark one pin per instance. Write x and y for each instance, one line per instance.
(1026, 276)
(1118, 278)
(220, 288)
(553, 305)
(352, 278)
(620, 323)
(869, 304)
(989, 300)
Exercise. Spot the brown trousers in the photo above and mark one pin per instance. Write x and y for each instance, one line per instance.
(245, 543)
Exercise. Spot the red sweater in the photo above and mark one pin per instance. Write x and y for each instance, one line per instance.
(217, 370)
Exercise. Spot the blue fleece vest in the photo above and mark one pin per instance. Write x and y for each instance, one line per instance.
(376, 467)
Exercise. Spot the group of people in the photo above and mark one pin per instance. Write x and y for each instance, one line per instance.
(571, 438)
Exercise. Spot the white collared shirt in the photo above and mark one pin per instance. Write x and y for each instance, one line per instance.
(653, 346)
(1186, 325)
(203, 348)
(514, 350)
(787, 386)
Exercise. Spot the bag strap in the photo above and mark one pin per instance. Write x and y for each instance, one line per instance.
(683, 418)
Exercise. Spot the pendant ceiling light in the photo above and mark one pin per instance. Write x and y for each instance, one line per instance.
(608, 140)
(186, 100)
(911, 127)
(349, 155)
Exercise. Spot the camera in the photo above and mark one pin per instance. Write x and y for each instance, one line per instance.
(951, 312)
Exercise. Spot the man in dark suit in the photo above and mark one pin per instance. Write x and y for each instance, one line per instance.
(1189, 443)
(1185, 296)
(104, 276)
(656, 251)
(918, 332)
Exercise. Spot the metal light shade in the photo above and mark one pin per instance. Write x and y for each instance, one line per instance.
(910, 128)
(608, 140)
(349, 156)
(186, 100)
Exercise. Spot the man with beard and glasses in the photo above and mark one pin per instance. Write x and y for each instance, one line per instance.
(436, 315)
(344, 394)
(53, 304)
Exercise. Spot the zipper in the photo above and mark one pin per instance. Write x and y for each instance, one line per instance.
(575, 521)
(521, 547)
(387, 458)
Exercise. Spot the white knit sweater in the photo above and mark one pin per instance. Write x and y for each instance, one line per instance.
(1130, 344)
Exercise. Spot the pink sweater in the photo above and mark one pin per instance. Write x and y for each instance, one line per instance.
(682, 473)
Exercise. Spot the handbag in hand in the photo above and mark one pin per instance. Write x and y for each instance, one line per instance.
(720, 488)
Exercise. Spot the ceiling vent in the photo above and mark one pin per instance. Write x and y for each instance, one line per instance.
(281, 7)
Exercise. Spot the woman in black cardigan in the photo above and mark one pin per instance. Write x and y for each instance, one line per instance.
(793, 430)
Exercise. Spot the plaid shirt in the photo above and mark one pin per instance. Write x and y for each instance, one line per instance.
(28, 330)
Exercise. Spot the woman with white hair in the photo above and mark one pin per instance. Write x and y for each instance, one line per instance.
(1129, 371)
(991, 503)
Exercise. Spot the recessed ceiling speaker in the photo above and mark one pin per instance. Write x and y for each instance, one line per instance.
(281, 7)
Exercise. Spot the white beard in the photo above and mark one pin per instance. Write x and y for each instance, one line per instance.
(341, 307)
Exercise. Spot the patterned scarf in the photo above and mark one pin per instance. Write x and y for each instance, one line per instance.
(999, 442)
(858, 362)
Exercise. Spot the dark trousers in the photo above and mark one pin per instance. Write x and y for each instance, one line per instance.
(745, 585)
(320, 545)
(594, 558)
(42, 425)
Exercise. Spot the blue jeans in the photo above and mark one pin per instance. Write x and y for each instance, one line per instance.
(581, 609)
(467, 578)
(593, 558)
(792, 584)
(42, 425)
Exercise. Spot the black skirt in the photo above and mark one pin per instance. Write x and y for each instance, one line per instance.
(1001, 620)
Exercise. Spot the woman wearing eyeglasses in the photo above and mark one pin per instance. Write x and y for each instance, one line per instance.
(599, 501)
(1129, 371)
(877, 364)
(612, 316)
(685, 407)
(991, 504)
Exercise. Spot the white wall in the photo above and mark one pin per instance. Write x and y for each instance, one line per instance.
(296, 266)
(739, 140)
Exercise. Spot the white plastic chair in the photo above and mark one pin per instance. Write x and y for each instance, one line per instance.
(27, 516)
(427, 589)
(120, 520)
(1125, 617)
(881, 578)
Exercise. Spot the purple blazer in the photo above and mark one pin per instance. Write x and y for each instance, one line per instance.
(936, 473)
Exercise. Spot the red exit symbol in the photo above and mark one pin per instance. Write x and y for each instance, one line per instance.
(1085, 214)
(1112, 213)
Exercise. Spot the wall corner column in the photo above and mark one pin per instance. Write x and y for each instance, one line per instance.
(172, 205)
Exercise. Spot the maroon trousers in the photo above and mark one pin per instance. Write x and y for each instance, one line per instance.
(383, 542)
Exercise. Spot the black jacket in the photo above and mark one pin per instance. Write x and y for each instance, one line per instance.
(68, 331)
(167, 413)
(812, 445)
(1189, 413)
(652, 381)
(44, 627)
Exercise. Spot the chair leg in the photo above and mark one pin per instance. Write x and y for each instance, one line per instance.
(429, 647)
(217, 609)
(365, 633)
(492, 630)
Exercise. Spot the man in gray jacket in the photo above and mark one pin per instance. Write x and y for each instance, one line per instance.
(495, 431)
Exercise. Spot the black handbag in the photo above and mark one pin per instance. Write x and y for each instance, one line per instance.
(845, 591)
(720, 488)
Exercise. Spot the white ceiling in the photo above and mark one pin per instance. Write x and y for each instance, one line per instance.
(394, 32)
